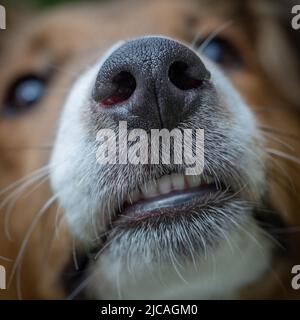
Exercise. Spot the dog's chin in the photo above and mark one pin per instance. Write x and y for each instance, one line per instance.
(151, 253)
(180, 224)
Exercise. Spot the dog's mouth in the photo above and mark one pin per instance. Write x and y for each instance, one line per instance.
(170, 196)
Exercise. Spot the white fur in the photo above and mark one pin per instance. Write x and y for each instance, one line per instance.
(239, 261)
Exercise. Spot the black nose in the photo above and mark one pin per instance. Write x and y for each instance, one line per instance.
(150, 82)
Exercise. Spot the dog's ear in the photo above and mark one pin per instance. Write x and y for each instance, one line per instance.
(279, 48)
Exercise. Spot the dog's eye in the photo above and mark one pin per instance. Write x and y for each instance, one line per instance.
(24, 94)
(222, 52)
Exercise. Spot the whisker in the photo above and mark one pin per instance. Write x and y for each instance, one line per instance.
(13, 203)
(278, 132)
(89, 278)
(283, 143)
(6, 259)
(59, 219)
(215, 33)
(28, 234)
(19, 182)
(19, 190)
(260, 247)
(283, 155)
(74, 255)
(288, 182)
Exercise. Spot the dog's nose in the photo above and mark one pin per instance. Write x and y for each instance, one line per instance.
(150, 82)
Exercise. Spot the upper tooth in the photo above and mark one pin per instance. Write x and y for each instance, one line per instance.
(167, 184)
(209, 180)
(193, 181)
(178, 182)
(150, 189)
(134, 197)
(164, 184)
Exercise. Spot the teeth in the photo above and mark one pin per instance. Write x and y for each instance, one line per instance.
(167, 184)
(178, 181)
(209, 180)
(164, 184)
(134, 197)
(150, 190)
(193, 181)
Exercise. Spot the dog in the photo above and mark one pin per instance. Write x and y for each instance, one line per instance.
(75, 228)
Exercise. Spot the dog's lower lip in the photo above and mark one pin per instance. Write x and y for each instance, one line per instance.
(176, 201)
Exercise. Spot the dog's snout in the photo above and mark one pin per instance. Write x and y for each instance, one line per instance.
(152, 79)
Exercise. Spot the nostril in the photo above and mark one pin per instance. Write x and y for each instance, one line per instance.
(124, 85)
(179, 76)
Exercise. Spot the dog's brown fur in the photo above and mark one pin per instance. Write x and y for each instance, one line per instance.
(61, 43)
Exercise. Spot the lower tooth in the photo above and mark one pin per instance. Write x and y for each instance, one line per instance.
(193, 181)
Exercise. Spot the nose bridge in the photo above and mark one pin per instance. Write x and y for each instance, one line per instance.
(149, 56)
(157, 76)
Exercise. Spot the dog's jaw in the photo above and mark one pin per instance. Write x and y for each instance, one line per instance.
(242, 253)
(241, 259)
